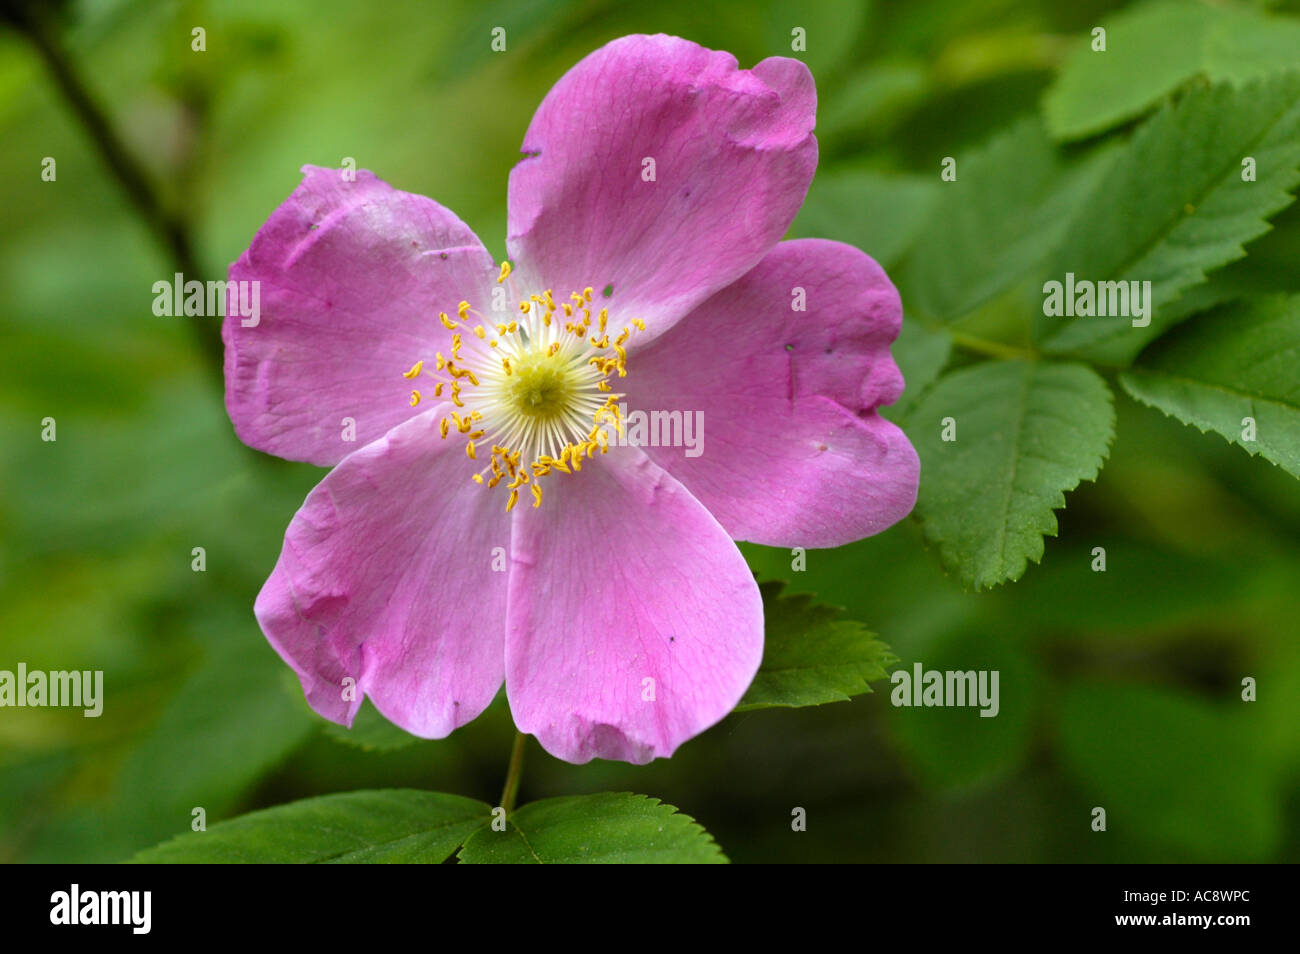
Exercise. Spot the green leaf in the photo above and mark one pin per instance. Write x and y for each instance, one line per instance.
(871, 103)
(1152, 49)
(371, 731)
(882, 215)
(384, 826)
(1172, 770)
(811, 655)
(1175, 206)
(1240, 361)
(830, 29)
(1010, 205)
(955, 746)
(1025, 432)
(595, 829)
(921, 355)
(227, 726)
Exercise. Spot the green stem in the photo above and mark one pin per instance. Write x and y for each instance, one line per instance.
(994, 349)
(514, 773)
(169, 227)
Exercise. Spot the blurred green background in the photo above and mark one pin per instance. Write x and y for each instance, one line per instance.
(1119, 689)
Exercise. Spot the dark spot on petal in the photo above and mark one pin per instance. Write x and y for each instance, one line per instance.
(608, 290)
(822, 447)
(789, 347)
(443, 256)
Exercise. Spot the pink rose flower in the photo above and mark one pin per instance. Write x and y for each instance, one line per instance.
(488, 523)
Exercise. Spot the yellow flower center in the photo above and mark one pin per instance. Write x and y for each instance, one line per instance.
(541, 386)
(532, 392)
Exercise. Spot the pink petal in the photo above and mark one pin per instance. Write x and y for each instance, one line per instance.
(353, 275)
(734, 154)
(387, 577)
(793, 453)
(621, 577)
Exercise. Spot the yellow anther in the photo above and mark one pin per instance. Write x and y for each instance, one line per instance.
(478, 478)
(469, 451)
(437, 389)
(640, 325)
(446, 322)
(587, 293)
(505, 272)
(414, 372)
(481, 332)
(442, 426)
(524, 306)
(461, 309)
(442, 362)
(505, 363)
(604, 317)
(514, 498)
(415, 398)
(537, 495)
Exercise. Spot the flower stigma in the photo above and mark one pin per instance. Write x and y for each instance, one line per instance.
(531, 394)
